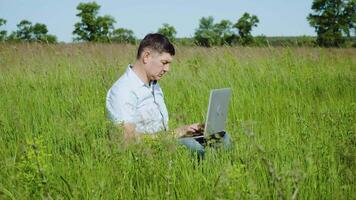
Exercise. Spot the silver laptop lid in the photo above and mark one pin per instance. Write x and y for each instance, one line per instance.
(217, 111)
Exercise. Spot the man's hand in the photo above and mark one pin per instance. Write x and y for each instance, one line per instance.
(189, 130)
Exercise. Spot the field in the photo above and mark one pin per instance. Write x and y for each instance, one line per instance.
(291, 118)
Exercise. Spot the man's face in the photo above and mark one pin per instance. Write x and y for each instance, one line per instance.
(157, 64)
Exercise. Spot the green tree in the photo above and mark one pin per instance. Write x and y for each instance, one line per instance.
(39, 31)
(2, 32)
(122, 35)
(93, 27)
(168, 31)
(210, 33)
(206, 34)
(49, 39)
(39, 34)
(32, 33)
(244, 26)
(225, 34)
(332, 19)
(24, 31)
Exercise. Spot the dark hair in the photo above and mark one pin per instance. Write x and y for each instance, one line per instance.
(157, 42)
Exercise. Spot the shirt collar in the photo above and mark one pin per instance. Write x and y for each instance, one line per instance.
(136, 80)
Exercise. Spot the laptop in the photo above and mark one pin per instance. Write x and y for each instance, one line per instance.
(216, 115)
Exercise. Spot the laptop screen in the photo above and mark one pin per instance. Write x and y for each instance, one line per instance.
(217, 111)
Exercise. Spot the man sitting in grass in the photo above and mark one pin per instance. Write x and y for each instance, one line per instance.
(136, 100)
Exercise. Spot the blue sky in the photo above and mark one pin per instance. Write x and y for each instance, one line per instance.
(277, 17)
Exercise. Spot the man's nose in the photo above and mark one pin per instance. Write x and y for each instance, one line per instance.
(166, 68)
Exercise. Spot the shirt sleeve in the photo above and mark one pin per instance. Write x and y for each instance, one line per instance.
(121, 105)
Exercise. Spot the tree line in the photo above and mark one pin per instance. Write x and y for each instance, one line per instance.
(333, 20)
(26, 31)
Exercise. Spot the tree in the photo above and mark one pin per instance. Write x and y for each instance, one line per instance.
(32, 33)
(2, 32)
(49, 39)
(168, 31)
(332, 19)
(24, 30)
(122, 35)
(244, 26)
(226, 35)
(222, 33)
(206, 34)
(92, 27)
(39, 32)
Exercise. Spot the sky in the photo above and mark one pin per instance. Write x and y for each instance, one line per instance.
(277, 17)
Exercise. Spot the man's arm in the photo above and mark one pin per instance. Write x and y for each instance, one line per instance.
(130, 135)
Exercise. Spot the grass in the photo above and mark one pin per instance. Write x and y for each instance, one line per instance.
(291, 117)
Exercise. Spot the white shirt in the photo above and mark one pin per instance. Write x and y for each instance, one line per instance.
(130, 100)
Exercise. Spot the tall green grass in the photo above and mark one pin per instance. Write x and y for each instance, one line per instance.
(291, 118)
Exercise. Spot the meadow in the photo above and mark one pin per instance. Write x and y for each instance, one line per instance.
(291, 119)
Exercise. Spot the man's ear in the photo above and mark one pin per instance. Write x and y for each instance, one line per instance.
(145, 57)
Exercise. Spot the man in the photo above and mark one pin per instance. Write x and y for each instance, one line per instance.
(136, 99)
